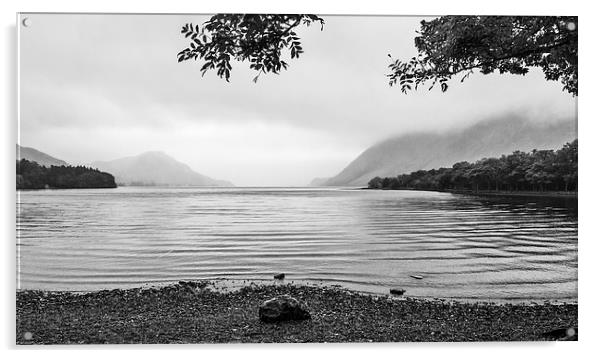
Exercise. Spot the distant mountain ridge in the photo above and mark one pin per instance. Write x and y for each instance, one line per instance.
(318, 181)
(35, 155)
(155, 168)
(411, 152)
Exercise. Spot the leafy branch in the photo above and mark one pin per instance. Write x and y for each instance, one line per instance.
(453, 45)
(258, 39)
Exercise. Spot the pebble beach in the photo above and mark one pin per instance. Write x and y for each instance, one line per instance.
(196, 312)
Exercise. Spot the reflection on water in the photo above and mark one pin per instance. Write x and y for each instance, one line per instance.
(463, 246)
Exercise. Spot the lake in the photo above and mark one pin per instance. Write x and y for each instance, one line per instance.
(463, 247)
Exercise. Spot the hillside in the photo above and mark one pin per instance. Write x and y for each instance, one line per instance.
(35, 155)
(411, 152)
(31, 175)
(155, 168)
(318, 181)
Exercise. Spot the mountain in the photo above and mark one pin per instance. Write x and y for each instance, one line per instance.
(318, 181)
(155, 168)
(411, 152)
(35, 155)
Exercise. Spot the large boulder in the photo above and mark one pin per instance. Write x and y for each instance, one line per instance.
(283, 308)
(397, 291)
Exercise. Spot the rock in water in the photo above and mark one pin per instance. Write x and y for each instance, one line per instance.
(397, 291)
(283, 308)
(279, 276)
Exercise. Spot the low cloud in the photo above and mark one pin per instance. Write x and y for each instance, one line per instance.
(97, 87)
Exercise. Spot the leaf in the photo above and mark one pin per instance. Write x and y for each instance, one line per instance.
(206, 66)
(260, 39)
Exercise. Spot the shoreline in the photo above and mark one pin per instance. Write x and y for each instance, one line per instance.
(225, 284)
(201, 312)
(518, 194)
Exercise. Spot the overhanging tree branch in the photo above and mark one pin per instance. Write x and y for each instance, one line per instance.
(447, 46)
(454, 44)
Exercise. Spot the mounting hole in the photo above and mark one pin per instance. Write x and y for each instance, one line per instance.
(571, 26)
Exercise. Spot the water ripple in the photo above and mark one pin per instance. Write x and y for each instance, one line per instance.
(465, 247)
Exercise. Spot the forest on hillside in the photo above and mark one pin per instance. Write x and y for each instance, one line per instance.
(538, 170)
(31, 175)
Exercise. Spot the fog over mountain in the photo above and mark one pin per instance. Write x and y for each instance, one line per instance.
(120, 89)
(411, 152)
(37, 156)
(155, 168)
(318, 181)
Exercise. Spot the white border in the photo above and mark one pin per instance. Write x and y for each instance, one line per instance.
(589, 132)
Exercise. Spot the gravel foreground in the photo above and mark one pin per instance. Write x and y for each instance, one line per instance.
(194, 312)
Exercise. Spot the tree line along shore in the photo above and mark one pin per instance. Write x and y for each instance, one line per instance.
(31, 175)
(529, 173)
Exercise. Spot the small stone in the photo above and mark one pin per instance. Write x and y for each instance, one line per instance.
(279, 276)
(283, 308)
(397, 291)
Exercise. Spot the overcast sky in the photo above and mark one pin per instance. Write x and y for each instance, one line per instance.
(101, 87)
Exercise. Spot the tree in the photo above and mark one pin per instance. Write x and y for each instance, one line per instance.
(31, 175)
(517, 164)
(452, 45)
(566, 166)
(447, 46)
(543, 169)
(460, 174)
(259, 39)
(375, 183)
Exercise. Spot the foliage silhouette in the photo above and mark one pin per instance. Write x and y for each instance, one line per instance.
(447, 46)
(539, 170)
(259, 39)
(452, 45)
(31, 175)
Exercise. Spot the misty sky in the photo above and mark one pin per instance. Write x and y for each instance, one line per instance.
(101, 87)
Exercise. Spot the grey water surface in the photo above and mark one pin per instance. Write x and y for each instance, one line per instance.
(463, 247)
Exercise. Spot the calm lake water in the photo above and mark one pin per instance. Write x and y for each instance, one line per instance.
(463, 246)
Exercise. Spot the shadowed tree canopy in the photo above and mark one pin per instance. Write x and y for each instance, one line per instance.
(259, 39)
(447, 46)
(539, 170)
(31, 175)
(452, 45)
